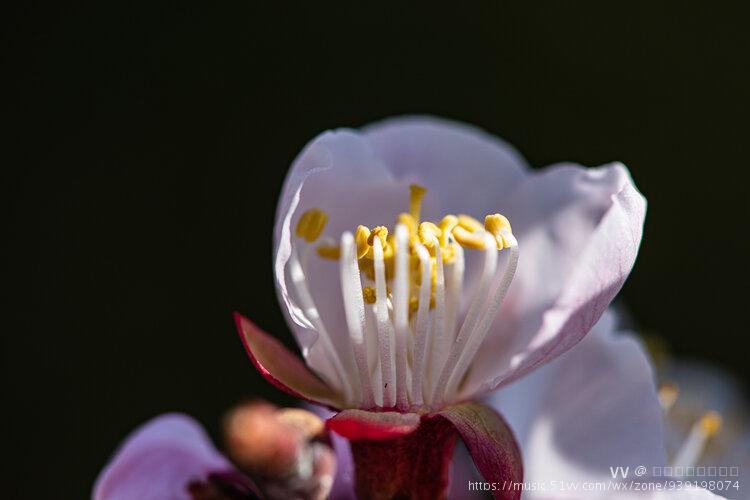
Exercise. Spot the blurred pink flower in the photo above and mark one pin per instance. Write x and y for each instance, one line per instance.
(170, 457)
(275, 454)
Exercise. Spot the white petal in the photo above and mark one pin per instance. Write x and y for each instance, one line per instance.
(594, 407)
(578, 232)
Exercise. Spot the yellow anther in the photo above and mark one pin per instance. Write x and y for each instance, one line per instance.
(368, 293)
(446, 226)
(427, 234)
(415, 200)
(710, 423)
(413, 304)
(367, 267)
(361, 235)
(668, 393)
(496, 225)
(469, 223)
(382, 233)
(332, 252)
(311, 224)
(408, 221)
(390, 267)
(468, 239)
(389, 249)
(413, 242)
(448, 254)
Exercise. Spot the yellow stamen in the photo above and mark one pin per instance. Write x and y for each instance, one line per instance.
(446, 226)
(332, 252)
(389, 249)
(668, 393)
(311, 224)
(417, 192)
(496, 225)
(427, 234)
(710, 423)
(367, 267)
(408, 221)
(448, 254)
(368, 293)
(390, 268)
(381, 232)
(468, 239)
(361, 235)
(469, 223)
(413, 305)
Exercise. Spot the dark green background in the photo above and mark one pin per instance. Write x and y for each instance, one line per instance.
(150, 144)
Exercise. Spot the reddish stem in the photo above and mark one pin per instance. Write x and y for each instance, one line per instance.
(415, 466)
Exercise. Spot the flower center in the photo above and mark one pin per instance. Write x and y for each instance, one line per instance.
(402, 294)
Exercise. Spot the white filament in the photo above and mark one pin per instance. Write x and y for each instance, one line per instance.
(478, 334)
(354, 308)
(373, 354)
(418, 362)
(475, 309)
(299, 282)
(455, 286)
(692, 448)
(401, 312)
(420, 335)
(438, 339)
(384, 326)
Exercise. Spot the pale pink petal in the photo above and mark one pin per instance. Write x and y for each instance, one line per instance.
(282, 368)
(159, 460)
(592, 408)
(578, 231)
(339, 173)
(491, 444)
(468, 170)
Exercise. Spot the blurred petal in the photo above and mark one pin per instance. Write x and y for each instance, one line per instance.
(343, 483)
(159, 460)
(490, 442)
(467, 169)
(685, 494)
(579, 231)
(361, 424)
(282, 368)
(702, 387)
(592, 408)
